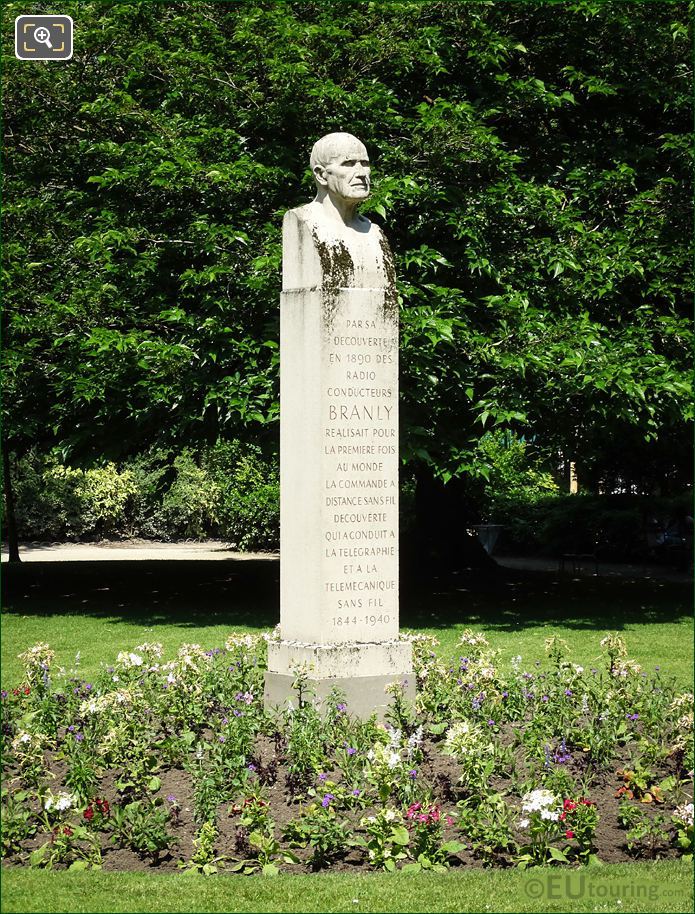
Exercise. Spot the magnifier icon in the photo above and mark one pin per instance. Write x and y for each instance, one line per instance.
(43, 36)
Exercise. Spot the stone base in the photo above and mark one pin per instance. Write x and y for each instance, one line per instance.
(364, 695)
(347, 658)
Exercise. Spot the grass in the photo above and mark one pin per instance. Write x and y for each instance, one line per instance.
(623, 887)
(101, 608)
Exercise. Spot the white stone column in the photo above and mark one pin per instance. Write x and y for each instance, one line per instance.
(339, 469)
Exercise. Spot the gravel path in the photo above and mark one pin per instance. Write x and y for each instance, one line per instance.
(133, 551)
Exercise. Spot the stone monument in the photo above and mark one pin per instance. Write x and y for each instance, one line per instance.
(338, 445)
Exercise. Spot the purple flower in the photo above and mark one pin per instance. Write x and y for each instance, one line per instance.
(545, 699)
(88, 687)
(323, 778)
(356, 792)
(562, 756)
(252, 767)
(221, 739)
(3, 694)
(491, 723)
(505, 694)
(71, 728)
(79, 737)
(412, 774)
(171, 798)
(632, 716)
(326, 801)
(341, 706)
(224, 721)
(351, 750)
(568, 692)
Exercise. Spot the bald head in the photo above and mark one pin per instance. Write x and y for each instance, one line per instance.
(335, 146)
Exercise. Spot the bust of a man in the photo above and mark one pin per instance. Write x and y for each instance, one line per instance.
(337, 247)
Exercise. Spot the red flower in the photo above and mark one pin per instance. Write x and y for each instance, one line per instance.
(563, 816)
(104, 806)
(568, 806)
(89, 813)
(26, 690)
(586, 802)
(67, 831)
(15, 691)
(569, 833)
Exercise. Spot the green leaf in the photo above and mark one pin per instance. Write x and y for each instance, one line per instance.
(558, 855)
(400, 835)
(269, 869)
(453, 847)
(411, 868)
(154, 784)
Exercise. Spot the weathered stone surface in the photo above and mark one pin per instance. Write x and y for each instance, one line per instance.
(338, 437)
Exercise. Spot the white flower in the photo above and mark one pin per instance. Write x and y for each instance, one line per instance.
(684, 814)
(549, 815)
(414, 741)
(390, 814)
(394, 739)
(523, 823)
(59, 802)
(394, 759)
(115, 679)
(171, 679)
(24, 738)
(538, 800)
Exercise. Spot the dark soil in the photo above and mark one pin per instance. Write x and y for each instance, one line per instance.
(437, 769)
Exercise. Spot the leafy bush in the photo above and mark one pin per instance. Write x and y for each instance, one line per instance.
(189, 507)
(249, 499)
(60, 502)
(615, 525)
(231, 490)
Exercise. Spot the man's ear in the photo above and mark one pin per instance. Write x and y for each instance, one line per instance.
(320, 175)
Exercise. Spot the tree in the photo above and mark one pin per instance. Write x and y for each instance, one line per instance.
(531, 167)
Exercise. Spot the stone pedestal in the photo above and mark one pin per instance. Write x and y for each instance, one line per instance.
(339, 469)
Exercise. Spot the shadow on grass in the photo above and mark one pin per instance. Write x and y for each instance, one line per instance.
(235, 592)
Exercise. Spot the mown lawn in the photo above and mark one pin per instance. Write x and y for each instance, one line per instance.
(101, 608)
(623, 887)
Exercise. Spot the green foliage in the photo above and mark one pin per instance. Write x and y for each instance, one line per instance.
(189, 507)
(532, 169)
(58, 502)
(616, 526)
(230, 490)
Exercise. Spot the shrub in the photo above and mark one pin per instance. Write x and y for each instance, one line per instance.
(55, 502)
(249, 499)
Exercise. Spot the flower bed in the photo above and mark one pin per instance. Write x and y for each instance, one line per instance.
(175, 764)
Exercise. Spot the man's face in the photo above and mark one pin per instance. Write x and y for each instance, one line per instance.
(347, 175)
